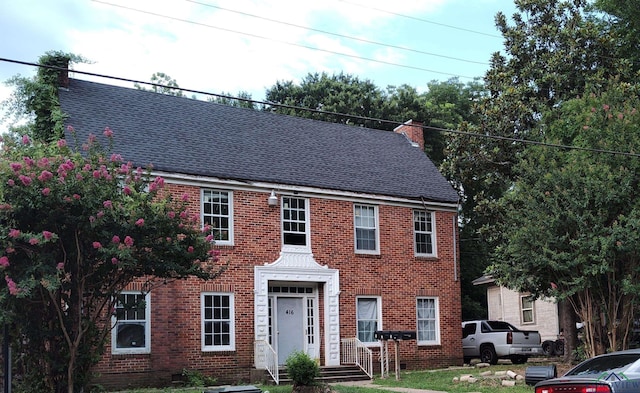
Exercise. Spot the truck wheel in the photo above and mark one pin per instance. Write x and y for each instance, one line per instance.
(559, 347)
(488, 354)
(518, 359)
(549, 348)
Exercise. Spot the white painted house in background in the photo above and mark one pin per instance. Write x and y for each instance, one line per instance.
(518, 309)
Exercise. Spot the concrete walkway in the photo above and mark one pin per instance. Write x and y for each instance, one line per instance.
(369, 384)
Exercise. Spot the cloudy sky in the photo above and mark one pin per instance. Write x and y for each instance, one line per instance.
(248, 45)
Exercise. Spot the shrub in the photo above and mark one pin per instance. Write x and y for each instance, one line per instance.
(302, 369)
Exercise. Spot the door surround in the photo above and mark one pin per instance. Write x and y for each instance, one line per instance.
(299, 267)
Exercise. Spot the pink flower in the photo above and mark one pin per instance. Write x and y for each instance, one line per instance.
(70, 129)
(116, 157)
(114, 260)
(92, 138)
(108, 204)
(33, 241)
(190, 249)
(108, 133)
(43, 162)
(29, 161)
(115, 239)
(25, 140)
(62, 143)
(620, 116)
(76, 196)
(13, 288)
(171, 214)
(153, 187)
(100, 214)
(605, 107)
(60, 266)
(45, 175)
(92, 219)
(46, 191)
(14, 233)
(140, 222)
(183, 214)
(97, 245)
(126, 190)
(47, 235)
(16, 166)
(159, 181)
(11, 183)
(209, 238)
(5, 206)
(185, 197)
(96, 174)
(26, 180)
(4, 261)
(128, 241)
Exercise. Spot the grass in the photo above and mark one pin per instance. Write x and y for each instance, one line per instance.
(439, 380)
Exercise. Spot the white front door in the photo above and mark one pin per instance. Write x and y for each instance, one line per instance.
(290, 327)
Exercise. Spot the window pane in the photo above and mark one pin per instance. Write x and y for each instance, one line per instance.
(216, 213)
(294, 228)
(367, 318)
(423, 232)
(217, 320)
(427, 320)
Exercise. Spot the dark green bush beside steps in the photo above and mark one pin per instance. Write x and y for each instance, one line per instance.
(302, 369)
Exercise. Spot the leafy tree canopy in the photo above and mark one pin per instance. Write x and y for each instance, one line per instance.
(76, 226)
(569, 226)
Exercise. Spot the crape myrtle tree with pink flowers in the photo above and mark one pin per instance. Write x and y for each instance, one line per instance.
(76, 226)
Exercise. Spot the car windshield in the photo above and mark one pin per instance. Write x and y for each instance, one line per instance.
(605, 363)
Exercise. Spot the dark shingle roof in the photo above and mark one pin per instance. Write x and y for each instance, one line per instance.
(188, 136)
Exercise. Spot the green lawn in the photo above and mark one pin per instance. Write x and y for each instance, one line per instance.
(441, 380)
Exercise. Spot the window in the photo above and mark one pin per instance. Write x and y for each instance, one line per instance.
(366, 229)
(217, 212)
(428, 321)
(368, 318)
(295, 228)
(132, 330)
(423, 232)
(218, 325)
(526, 305)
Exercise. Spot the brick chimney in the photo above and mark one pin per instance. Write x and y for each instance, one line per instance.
(63, 76)
(413, 131)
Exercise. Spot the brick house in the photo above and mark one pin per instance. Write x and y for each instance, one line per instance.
(333, 232)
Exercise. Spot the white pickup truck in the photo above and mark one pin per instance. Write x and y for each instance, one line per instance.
(493, 340)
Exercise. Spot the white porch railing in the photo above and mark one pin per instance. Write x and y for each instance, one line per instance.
(266, 356)
(353, 351)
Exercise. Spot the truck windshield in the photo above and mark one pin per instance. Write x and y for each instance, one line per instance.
(500, 325)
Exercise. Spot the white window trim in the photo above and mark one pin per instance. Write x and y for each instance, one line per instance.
(377, 229)
(232, 326)
(533, 311)
(437, 320)
(147, 328)
(229, 242)
(433, 235)
(307, 225)
(379, 310)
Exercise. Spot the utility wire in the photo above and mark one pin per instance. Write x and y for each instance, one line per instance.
(281, 41)
(337, 34)
(420, 19)
(366, 118)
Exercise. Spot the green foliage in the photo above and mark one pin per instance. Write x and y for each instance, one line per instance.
(77, 226)
(163, 84)
(302, 369)
(197, 378)
(569, 226)
(37, 98)
(243, 101)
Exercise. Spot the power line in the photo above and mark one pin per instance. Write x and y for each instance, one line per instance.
(420, 19)
(357, 117)
(337, 34)
(281, 41)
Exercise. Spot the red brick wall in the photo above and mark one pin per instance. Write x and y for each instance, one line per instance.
(395, 275)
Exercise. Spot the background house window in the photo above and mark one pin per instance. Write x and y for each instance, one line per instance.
(423, 232)
(428, 317)
(368, 318)
(366, 229)
(526, 305)
(294, 221)
(132, 327)
(218, 324)
(217, 212)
